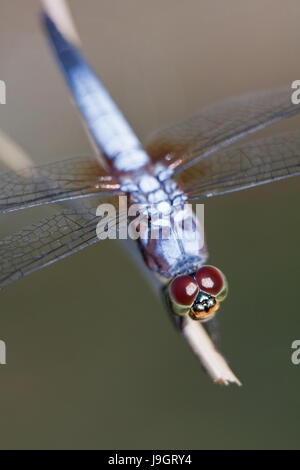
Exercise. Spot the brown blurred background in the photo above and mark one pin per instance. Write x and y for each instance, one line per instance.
(93, 361)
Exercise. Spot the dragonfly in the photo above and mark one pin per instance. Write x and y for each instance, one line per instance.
(189, 161)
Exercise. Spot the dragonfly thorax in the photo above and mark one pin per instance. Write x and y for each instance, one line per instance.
(172, 240)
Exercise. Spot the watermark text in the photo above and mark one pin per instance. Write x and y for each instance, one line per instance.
(295, 97)
(295, 357)
(150, 222)
(2, 92)
(2, 352)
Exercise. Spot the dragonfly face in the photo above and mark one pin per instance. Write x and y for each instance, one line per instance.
(198, 294)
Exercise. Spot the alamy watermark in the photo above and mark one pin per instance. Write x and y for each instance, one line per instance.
(295, 357)
(295, 96)
(2, 92)
(2, 352)
(152, 222)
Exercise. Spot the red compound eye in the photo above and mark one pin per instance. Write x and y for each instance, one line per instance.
(210, 279)
(183, 290)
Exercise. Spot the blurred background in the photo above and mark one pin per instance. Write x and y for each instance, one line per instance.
(92, 358)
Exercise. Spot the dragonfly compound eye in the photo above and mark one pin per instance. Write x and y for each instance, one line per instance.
(183, 291)
(212, 281)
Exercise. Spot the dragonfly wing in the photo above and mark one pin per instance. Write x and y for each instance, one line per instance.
(54, 238)
(185, 143)
(253, 163)
(63, 180)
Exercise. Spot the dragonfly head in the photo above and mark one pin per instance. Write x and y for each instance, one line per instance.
(198, 294)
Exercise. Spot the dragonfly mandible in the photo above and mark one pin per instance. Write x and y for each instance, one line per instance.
(188, 161)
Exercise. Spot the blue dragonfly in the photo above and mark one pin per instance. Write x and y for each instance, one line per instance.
(186, 162)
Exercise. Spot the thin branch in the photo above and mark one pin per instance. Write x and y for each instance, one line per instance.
(12, 155)
(204, 348)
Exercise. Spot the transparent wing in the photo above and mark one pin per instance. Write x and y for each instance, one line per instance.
(185, 143)
(63, 180)
(257, 162)
(54, 238)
